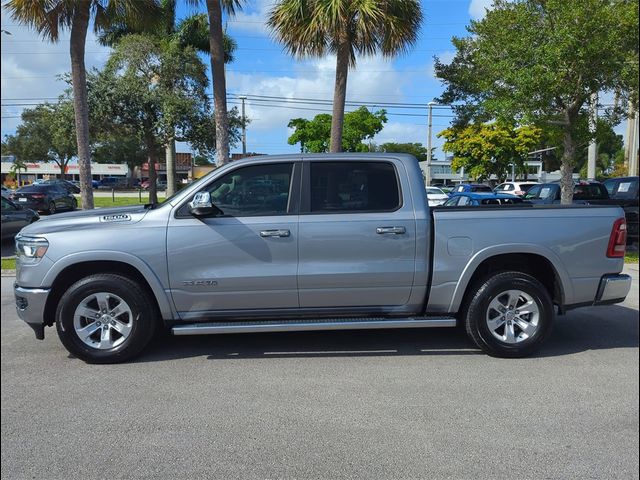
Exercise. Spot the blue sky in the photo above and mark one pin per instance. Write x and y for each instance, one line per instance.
(261, 69)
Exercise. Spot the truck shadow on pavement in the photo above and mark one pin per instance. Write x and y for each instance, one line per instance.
(591, 328)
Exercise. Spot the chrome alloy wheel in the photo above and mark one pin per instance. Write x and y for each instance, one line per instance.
(513, 316)
(103, 320)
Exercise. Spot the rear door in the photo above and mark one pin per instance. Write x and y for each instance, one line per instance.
(357, 235)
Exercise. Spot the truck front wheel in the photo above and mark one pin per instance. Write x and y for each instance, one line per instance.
(105, 318)
(508, 314)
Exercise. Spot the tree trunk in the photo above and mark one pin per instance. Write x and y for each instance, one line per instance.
(63, 167)
(339, 96)
(153, 188)
(566, 168)
(170, 159)
(79, 26)
(216, 47)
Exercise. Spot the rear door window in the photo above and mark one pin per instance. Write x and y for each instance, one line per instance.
(340, 187)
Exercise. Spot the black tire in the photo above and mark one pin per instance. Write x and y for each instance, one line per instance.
(477, 307)
(52, 208)
(143, 319)
(74, 204)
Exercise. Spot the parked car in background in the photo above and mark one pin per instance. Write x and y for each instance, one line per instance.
(6, 192)
(67, 185)
(14, 218)
(45, 198)
(624, 192)
(95, 184)
(445, 188)
(514, 188)
(472, 187)
(436, 196)
(113, 182)
(478, 199)
(584, 193)
(160, 184)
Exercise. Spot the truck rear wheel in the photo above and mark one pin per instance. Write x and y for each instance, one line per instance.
(508, 314)
(105, 318)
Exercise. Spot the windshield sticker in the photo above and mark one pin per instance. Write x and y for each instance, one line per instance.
(545, 192)
(624, 187)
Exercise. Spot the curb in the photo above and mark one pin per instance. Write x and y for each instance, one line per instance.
(8, 273)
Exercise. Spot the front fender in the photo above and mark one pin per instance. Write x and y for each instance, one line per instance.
(165, 305)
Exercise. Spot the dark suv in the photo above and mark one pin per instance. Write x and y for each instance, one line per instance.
(45, 198)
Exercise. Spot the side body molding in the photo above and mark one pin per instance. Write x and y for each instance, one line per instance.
(511, 248)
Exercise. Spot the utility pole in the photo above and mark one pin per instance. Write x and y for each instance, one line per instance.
(631, 147)
(593, 146)
(430, 121)
(244, 127)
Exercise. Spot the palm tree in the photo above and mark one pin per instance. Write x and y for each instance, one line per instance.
(345, 28)
(216, 49)
(192, 31)
(52, 16)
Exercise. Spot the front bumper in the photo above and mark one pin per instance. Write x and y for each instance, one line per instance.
(30, 303)
(613, 289)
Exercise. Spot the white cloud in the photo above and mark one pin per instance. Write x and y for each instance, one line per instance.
(374, 79)
(478, 8)
(29, 66)
(252, 18)
(397, 132)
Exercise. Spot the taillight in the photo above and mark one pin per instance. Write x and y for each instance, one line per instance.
(618, 239)
(519, 192)
(37, 195)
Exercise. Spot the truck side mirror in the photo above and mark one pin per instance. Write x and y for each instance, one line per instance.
(201, 206)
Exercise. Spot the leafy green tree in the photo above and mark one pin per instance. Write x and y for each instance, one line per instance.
(489, 149)
(416, 149)
(152, 92)
(315, 135)
(52, 16)
(346, 29)
(192, 31)
(540, 61)
(46, 134)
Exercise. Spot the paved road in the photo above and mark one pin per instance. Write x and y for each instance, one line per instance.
(399, 404)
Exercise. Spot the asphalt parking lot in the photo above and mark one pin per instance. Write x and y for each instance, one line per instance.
(381, 404)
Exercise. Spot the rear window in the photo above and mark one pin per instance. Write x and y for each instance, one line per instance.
(623, 189)
(525, 187)
(354, 186)
(590, 192)
(34, 188)
(481, 188)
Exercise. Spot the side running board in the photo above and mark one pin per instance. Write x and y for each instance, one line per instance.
(311, 325)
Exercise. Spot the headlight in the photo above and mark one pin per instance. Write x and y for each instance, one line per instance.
(31, 249)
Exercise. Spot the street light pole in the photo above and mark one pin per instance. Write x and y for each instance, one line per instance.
(429, 125)
(244, 127)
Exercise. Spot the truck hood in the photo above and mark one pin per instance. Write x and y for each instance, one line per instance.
(81, 219)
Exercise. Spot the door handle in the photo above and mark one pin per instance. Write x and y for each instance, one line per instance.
(391, 230)
(275, 233)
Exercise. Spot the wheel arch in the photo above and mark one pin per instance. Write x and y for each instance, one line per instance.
(544, 266)
(61, 276)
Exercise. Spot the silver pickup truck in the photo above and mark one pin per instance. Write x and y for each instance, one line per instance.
(314, 242)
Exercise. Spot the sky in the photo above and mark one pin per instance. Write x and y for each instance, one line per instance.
(277, 86)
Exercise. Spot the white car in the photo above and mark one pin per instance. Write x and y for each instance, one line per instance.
(436, 197)
(514, 188)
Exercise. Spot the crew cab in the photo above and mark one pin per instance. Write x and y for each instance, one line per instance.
(314, 242)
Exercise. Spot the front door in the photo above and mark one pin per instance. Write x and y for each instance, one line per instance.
(357, 236)
(244, 260)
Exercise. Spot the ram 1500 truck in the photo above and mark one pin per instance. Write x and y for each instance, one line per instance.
(314, 242)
